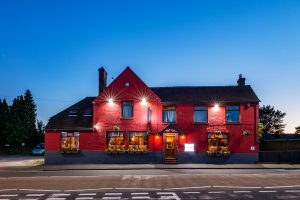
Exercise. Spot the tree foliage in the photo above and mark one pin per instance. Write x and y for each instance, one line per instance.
(297, 130)
(271, 119)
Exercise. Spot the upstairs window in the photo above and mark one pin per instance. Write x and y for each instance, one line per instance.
(88, 112)
(200, 114)
(73, 112)
(127, 109)
(169, 114)
(232, 114)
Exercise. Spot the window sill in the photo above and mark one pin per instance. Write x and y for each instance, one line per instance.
(126, 118)
(168, 123)
(232, 123)
(200, 123)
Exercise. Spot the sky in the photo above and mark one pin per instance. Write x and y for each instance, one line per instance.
(55, 47)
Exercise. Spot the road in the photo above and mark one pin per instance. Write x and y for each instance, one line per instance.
(150, 184)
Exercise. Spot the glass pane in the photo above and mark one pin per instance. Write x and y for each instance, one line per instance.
(200, 116)
(169, 116)
(232, 116)
(138, 140)
(232, 107)
(200, 108)
(127, 109)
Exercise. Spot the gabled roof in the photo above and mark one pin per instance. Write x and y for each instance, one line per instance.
(206, 94)
(65, 121)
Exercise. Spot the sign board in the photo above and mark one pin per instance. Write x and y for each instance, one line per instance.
(189, 147)
(252, 148)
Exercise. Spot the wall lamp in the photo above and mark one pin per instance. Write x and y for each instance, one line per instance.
(216, 107)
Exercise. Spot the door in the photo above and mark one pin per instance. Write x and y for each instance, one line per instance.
(170, 147)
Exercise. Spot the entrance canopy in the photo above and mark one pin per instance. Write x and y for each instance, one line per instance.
(171, 128)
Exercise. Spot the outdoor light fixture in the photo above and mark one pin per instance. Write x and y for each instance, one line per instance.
(216, 108)
(110, 101)
(157, 137)
(144, 101)
(182, 137)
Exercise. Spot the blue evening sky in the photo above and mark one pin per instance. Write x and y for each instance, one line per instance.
(54, 48)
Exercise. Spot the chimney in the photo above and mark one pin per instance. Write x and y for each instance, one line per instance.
(102, 79)
(241, 81)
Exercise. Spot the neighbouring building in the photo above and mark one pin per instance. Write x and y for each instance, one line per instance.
(129, 122)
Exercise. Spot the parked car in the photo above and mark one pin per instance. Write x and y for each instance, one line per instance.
(39, 150)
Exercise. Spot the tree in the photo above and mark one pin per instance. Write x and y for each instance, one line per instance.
(30, 116)
(297, 130)
(271, 119)
(39, 137)
(4, 112)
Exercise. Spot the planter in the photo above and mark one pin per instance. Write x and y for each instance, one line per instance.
(219, 153)
(226, 153)
(211, 153)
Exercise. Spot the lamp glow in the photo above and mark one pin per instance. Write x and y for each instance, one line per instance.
(216, 108)
(157, 137)
(182, 137)
(110, 101)
(144, 101)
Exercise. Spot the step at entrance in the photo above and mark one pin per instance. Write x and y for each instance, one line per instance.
(170, 161)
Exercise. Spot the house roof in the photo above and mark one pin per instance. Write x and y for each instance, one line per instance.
(206, 94)
(73, 121)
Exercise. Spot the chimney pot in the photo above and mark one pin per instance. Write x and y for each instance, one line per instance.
(241, 81)
(102, 79)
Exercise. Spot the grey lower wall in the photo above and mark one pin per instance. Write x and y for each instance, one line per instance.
(55, 157)
(280, 156)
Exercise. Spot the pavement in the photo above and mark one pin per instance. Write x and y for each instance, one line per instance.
(37, 163)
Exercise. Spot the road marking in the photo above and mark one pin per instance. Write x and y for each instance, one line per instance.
(84, 198)
(186, 188)
(4, 199)
(82, 190)
(5, 190)
(61, 195)
(140, 197)
(216, 192)
(87, 194)
(39, 190)
(174, 195)
(285, 186)
(294, 191)
(35, 195)
(55, 198)
(267, 191)
(29, 199)
(140, 193)
(110, 198)
(243, 187)
(241, 191)
(112, 194)
(191, 192)
(137, 188)
(8, 195)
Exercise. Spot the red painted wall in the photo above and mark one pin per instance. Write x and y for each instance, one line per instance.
(107, 115)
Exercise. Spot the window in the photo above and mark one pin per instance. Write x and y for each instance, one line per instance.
(232, 114)
(73, 112)
(88, 112)
(169, 114)
(127, 109)
(115, 140)
(200, 114)
(138, 140)
(218, 142)
(69, 142)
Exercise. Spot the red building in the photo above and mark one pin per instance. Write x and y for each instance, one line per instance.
(129, 122)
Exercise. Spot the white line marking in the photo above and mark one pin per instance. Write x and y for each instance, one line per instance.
(285, 186)
(244, 187)
(38, 190)
(191, 192)
(55, 198)
(296, 191)
(29, 199)
(166, 195)
(112, 194)
(267, 191)
(84, 198)
(137, 188)
(185, 188)
(35, 195)
(87, 194)
(140, 193)
(8, 195)
(61, 195)
(216, 192)
(5, 190)
(140, 197)
(4, 199)
(111, 198)
(241, 191)
(82, 190)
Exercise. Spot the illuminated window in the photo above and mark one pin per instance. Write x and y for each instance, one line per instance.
(138, 140)
(200, 114)
(69, 142)
(169, 114)
(115, 140)
(218, 142)
(127, 109)
(232, 114)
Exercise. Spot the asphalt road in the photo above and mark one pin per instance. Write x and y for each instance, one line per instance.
(151, 184)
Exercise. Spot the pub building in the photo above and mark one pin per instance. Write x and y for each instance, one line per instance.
(129, 122)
